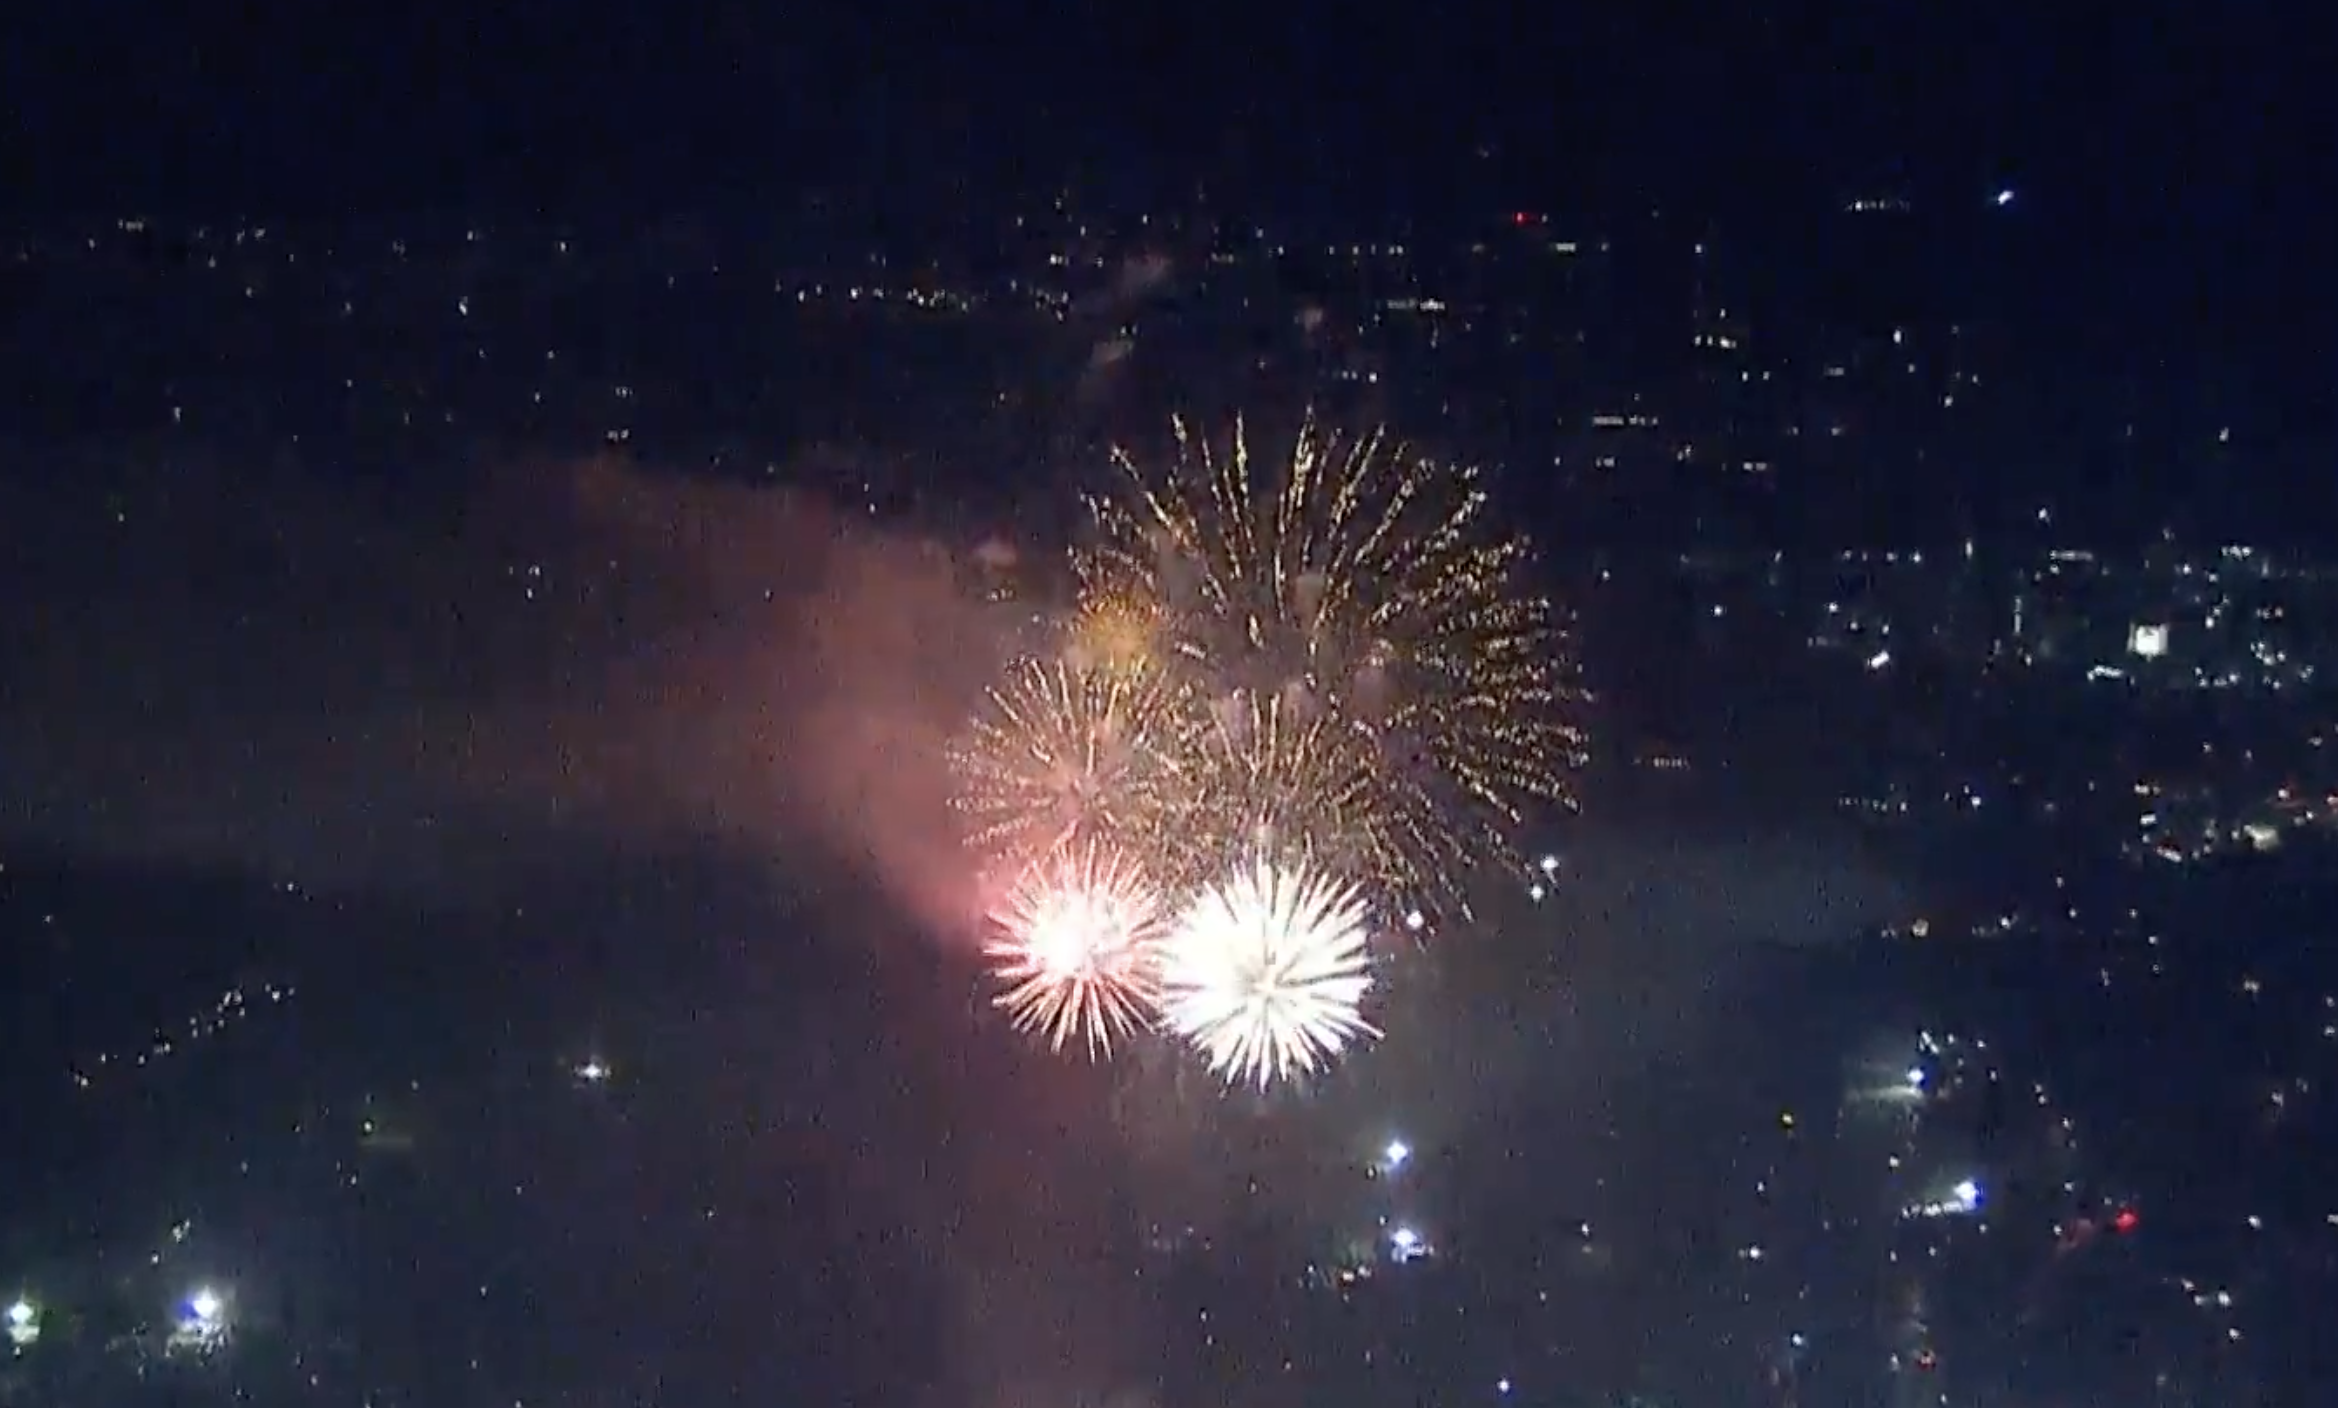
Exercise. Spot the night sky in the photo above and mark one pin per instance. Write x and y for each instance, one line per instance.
(2166, 159)
(2171, 122)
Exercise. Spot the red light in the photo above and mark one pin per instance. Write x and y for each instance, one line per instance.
(1522, 218)
(2126, 1221)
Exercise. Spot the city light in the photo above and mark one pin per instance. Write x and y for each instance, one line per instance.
(24, 1323)
(1961, 1200)
(203, 1322)
(1395, 1156)
(1406, 1244)
(1547, 874)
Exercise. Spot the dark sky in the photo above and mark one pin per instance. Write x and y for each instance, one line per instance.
(319, 103)
(2172, 157)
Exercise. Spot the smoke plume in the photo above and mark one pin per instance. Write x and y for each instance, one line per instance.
(341, 685)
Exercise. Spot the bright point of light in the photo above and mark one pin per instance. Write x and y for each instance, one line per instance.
(1916, 1077)
(1415, 920)
(592, 1072)
(2005, 197)
(205, 1306)
(23, 1324)
(1501, 1385)
(1406, 1246)
(1960, 1201)
(1879, 659)
(1394, 1156)
(1550, 865)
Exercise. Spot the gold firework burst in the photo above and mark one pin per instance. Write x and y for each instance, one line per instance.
(1118, 631)
(1382, 684)
(1065, 750)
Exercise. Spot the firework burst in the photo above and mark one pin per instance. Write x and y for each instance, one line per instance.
(1072, 749)
(1076, 949)
(1266, 971)
(1380, 685)
(1119, 632)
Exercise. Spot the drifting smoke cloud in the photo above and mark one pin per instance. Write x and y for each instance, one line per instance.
(359, 689)
(346, 687)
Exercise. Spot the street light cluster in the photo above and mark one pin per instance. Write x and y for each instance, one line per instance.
(203, 1322)
(24, 1323)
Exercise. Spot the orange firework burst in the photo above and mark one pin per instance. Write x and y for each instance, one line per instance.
(1121, 632)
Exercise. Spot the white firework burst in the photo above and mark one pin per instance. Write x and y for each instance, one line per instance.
(1076, 948)
(1266, 972)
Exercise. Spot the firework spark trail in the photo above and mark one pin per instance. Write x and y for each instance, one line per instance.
(1380, 683)
(1077, 949)
(1266, 972)
(1066, 750)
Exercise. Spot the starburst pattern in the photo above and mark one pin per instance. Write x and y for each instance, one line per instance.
(1076, 949)
(1377, 680)
(1069, 750)
(1266, 971)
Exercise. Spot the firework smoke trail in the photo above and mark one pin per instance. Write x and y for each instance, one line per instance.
(1380, 685)
(1266, 972)
(1077, 949)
